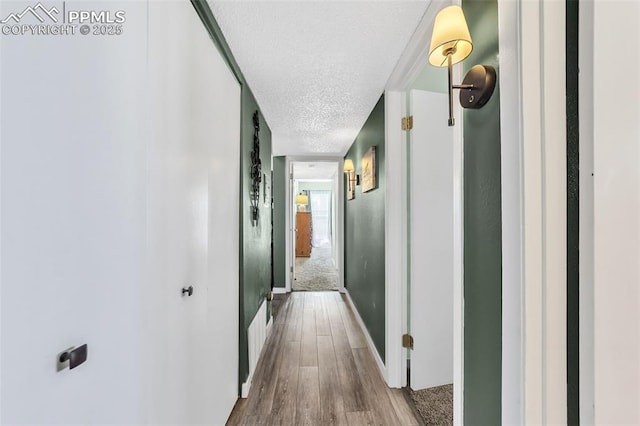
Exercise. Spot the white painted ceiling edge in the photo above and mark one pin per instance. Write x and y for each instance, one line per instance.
(317, 68)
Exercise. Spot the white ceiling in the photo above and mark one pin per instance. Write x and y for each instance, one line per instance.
(317, 68)
(314, 170)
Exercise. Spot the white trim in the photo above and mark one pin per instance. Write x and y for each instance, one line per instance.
(405, 250)
(512, 215)
(269, 325)
(289, 237)
(555, 212)
(246, 387)
(372, 347)
(458, 258)
(395, 240)
(411, 63)
(458, 263)
(586, 219)
(279, 290)
(544, 153)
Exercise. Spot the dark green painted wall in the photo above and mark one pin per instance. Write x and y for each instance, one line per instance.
(279, 186)
(255, 247)
(573, 218)
(482, 231)
(364, 234)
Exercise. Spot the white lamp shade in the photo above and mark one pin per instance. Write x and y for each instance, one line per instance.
(450, 35)
(348, 166)
(302, 200)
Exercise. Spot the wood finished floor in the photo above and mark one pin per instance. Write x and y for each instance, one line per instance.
(316, 369)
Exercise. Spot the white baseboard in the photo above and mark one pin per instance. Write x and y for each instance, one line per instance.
(279, 290)
(269, 324)
(246, 386)
(372, 347)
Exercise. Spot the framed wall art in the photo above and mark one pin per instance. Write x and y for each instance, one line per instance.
(369, 170)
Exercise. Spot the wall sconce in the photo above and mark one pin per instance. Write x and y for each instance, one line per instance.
(351, 172)
(451, 43)
(302, 201)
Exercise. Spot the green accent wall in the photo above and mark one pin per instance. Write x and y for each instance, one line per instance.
(573, 218)
(364, 234)
(432, 79)
(482, 231)
(279, 186)
(255, 247)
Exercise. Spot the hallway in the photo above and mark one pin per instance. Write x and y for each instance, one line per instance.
(316, 368)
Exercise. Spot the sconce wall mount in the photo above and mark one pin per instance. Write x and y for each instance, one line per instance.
(451, 43)
(477, 86)
(350, 170)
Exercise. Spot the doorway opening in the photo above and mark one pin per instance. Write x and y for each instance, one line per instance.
(314, 196)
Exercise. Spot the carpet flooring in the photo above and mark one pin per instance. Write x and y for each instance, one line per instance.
(316, 273)
(435, 405)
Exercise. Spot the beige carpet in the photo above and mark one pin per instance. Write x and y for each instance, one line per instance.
(316, 273)
(435, 405)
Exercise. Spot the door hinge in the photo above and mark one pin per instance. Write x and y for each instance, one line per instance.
(407, 341)
(291, 176)
(291, 269)
(407, 122)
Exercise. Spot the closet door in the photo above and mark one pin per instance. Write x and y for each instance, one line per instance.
(191, 365)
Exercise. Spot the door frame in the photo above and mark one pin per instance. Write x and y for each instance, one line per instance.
(534, 250)
(411, 63)
(290, 220)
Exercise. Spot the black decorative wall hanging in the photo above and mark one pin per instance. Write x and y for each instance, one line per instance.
(256, 170)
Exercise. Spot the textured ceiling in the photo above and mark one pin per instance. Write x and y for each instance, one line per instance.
(314, 170)
(317, 68)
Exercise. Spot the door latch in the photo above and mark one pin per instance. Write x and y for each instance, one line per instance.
(72, 357)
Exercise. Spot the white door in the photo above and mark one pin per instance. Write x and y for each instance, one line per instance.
(119, 186)
(431, 240)
(73, 219)
(191, 369)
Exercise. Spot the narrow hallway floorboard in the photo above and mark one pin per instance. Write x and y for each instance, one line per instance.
(316, 369)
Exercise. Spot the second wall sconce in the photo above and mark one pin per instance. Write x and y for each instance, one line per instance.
(302, 201)
(451, 43)
(351, 172)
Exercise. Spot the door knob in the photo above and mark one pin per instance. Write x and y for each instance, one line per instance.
(188, 290)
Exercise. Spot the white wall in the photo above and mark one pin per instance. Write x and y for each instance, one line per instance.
(616, 210)
(110, 187)
(73, 215)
